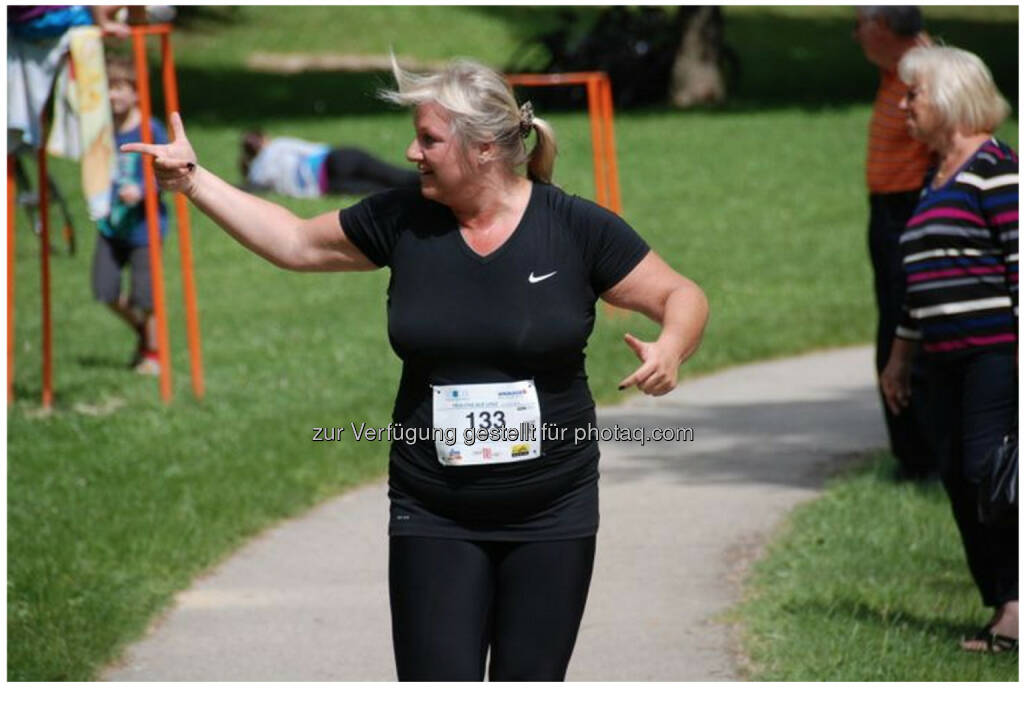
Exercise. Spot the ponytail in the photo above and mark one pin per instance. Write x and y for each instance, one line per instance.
(541, 163)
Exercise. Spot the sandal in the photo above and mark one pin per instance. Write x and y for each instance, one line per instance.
(994, 643)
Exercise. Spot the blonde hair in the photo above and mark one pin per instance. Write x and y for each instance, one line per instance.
(483, 109)
(960, 87)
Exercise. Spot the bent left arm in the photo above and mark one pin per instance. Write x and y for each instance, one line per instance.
(677, 304)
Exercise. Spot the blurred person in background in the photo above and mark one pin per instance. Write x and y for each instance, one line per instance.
(123, 241)
(38, 40)
(896, 166)
(299, 168)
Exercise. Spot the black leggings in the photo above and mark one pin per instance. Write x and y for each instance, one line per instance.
(452, 599)
(355, 171)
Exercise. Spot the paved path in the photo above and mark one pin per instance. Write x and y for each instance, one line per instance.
(307, 600)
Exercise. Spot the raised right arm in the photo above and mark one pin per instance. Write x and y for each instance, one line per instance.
(265, 228)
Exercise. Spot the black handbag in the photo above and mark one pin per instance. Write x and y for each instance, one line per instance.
(997, 493)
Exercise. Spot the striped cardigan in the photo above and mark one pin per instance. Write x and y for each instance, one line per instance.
(960, 257)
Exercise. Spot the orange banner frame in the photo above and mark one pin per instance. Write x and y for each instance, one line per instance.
(602, 131)
(170, 86)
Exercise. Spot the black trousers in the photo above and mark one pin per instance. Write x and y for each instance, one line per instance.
(974, 401)
(452, 600)
(353, 171)
(911, 434)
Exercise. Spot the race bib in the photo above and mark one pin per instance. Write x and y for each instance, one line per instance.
(495, 423)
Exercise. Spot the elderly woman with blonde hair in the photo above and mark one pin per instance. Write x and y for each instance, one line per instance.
(961, 304)
(494, 279)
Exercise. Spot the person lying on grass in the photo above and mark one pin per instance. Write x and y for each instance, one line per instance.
(299, 168)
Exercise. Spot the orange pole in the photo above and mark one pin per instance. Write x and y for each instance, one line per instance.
(44, 221)
(12, 192)
(143, 30)
(599, 109)
(152, 216)
(597, 142)
(184, 233)
(609, 146)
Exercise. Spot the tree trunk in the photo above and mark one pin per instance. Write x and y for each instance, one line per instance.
(697, 77)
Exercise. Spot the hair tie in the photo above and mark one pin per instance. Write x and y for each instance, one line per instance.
(525, 119)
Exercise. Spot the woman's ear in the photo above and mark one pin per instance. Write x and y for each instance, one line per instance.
(485, 152)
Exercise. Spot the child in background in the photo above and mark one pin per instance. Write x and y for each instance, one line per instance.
(123, 235)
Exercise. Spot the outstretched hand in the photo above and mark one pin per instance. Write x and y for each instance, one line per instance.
(175, 163)
(659, 372)
(105, 18)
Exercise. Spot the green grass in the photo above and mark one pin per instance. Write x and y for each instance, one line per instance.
(867, 583)
(116, 501)
(487, 33)
(806, 55)
(799, 55)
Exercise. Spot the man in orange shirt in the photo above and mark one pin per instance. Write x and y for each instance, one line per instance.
(896, 167)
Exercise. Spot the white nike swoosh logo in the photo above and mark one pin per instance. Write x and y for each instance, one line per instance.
(537, 279)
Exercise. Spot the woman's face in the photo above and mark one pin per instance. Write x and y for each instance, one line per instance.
(923, 121)
(437, 154)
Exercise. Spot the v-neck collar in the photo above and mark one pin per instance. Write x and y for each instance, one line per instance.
(963, 166)
(468, 250)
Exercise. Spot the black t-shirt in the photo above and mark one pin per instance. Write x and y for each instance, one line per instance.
(522, 312)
